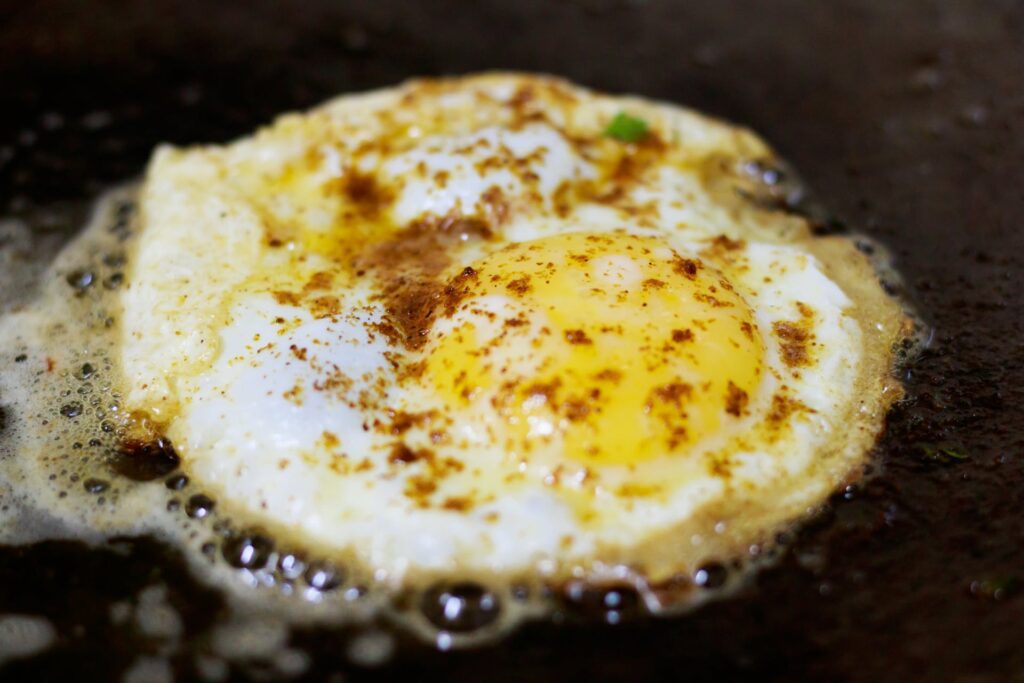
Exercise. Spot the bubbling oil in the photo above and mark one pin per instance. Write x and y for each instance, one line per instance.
(70, 468)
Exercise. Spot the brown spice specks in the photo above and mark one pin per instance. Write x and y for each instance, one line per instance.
(409, 265)
(609, 375)
(430, 470)
(782, 407)
(287, 298)
(546, 391)
(686, 267)
(736, 400)
(401, 453)
(653, 283)
(576, 409)
(577, 337)
(681, 336)
(364, 192)
(795, 337)
(325, 306)
(520, 286)
(457, 504)
(330, 439)
(674, 393)
(320, 280)
(402, 421)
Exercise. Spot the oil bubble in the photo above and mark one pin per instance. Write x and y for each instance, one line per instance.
(323, 576)
(611, 605)
(291, 566)
(199, 506)
(81, 280)
(711, 575)
(461, 607)
(114, 281)
(249, 551)
(71, 409)
(96, 485)
(177, 482)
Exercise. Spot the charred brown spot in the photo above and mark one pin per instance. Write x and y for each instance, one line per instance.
(653, 283)
(457, 504)
(782, 407)
(365, 193)
(287, 298)
(577, 337)
(420, 487)
(806, 312)
(609, 375)
(319, 280)
(402, 453)
(333, 379)
(298, 352)
(576, 410)
(519, 286)
(711, 300)
(674, 393)
(294, 395)
(545, 390)
(681, 336)
(388, 331)
(495, 205)
(794, 339)
(562, 200)
(524, 95)
(457, 290)
(736, 400)
(686, 267)
(402, 421)
(724, 243)
(325, 306)
(721, 467)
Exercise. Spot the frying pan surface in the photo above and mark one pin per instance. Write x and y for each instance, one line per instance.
(906, 119)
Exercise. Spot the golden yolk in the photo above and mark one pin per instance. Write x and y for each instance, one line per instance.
(613, 347)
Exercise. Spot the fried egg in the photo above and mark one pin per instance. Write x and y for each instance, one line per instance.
(501, 328)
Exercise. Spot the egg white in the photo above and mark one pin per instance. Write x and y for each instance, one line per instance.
(235, 373)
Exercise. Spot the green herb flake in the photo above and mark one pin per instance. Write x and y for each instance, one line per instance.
(627, 128)
(943, 453)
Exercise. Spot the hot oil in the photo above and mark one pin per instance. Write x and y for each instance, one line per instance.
(72, 470)
(68, 472)
(72, 467)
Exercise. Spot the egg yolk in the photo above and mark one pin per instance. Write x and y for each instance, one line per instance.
(613, 346)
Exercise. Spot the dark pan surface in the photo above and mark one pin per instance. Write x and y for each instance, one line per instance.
(906, 118)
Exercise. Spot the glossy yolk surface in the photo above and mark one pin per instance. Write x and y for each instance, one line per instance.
(613, 347)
